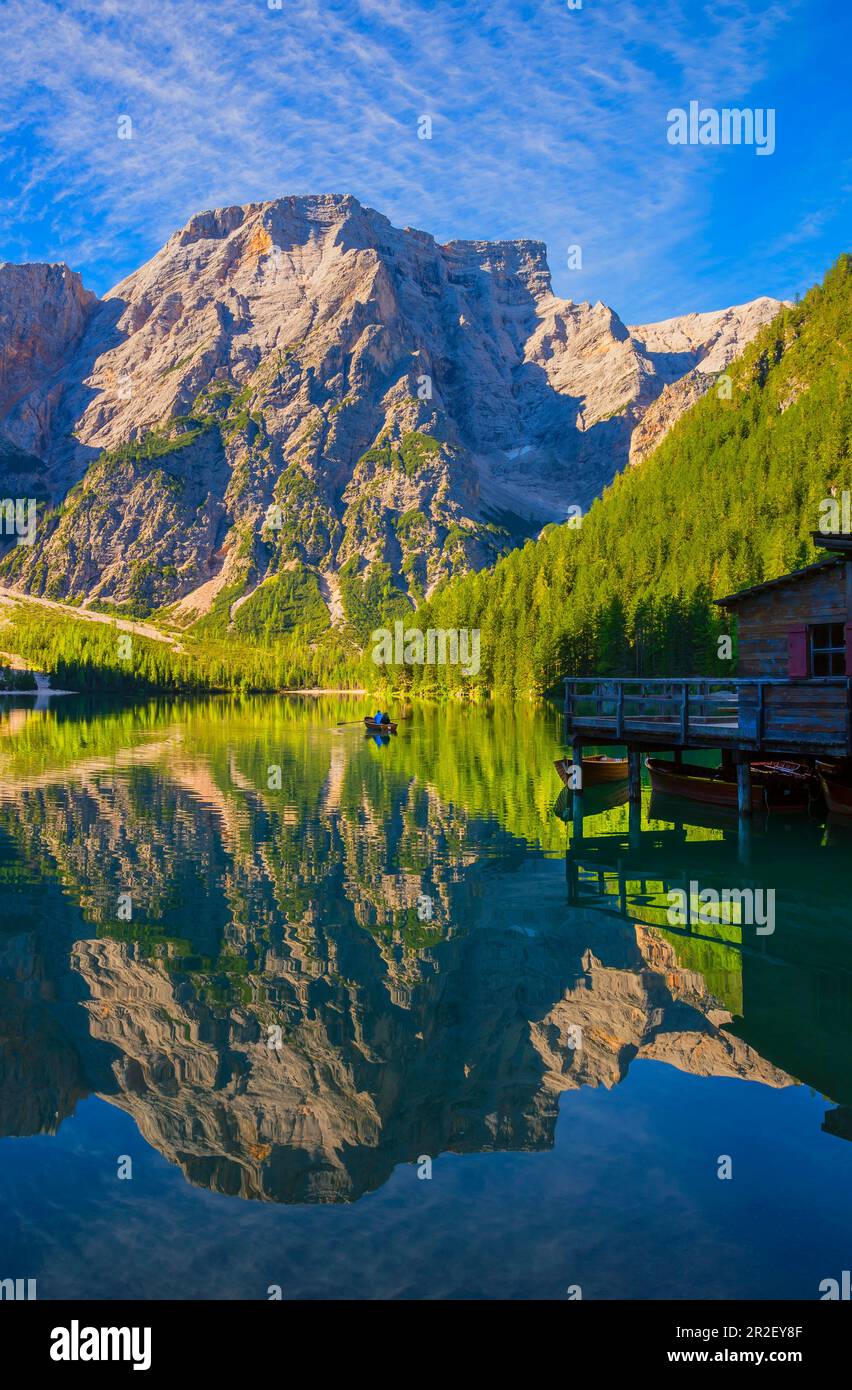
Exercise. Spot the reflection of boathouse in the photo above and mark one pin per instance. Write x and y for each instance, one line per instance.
(791, 697)
(790, 992)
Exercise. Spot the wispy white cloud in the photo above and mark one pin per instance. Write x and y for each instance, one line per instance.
(548, 122)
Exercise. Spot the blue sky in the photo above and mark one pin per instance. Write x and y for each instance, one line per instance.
(548, 122)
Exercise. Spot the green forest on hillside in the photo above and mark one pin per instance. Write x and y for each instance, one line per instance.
(84, 656)
(729, 498)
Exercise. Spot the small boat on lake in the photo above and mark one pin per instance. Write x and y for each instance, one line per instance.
(375, 726)
(837, 793)
(597, 768)
(775, 786)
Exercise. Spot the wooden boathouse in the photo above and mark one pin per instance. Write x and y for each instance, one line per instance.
(792, 696)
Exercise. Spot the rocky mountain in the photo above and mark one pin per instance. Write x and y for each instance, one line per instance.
(297, 388)
(692, 352)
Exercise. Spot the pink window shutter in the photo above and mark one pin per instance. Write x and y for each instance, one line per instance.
(797, 653)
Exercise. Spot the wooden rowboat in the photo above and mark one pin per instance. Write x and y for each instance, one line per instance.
(596, 768)
(774, 786)
(599, 768)
(838, 795)
(374, 728)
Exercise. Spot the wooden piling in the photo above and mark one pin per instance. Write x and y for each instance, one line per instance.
(744, 789)
(634, 825)
(577, 795)
(634, 775)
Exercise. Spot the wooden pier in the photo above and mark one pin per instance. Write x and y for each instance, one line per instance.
(745, 718)
(762, 716)
(792, 699)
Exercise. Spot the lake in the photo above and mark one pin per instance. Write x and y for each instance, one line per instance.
(285, 1007)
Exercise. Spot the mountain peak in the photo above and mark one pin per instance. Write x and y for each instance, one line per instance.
(410, 408)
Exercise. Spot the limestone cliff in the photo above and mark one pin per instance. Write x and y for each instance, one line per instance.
(300, 384)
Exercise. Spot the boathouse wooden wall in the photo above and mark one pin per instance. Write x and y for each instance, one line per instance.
(766, 619)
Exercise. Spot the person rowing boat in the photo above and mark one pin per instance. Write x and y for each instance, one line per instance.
(381, 721)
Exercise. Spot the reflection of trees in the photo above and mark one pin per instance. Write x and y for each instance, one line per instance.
(297, 909)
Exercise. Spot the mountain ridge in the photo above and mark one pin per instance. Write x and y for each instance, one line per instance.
(299, 387)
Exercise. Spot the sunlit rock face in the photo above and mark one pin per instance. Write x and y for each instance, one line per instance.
(690, 355)
(395, 399)
(44, 311)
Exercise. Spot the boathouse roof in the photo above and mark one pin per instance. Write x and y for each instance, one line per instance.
(827, 562)
(838, 543)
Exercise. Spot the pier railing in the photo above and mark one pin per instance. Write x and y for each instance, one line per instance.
(806, 716)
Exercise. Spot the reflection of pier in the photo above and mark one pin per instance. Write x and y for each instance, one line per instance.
(795, 985)
(630, 875)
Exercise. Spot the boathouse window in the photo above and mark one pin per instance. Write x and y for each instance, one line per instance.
(828, 649)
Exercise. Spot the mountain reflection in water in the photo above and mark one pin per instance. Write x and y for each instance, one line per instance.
(342, 956)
